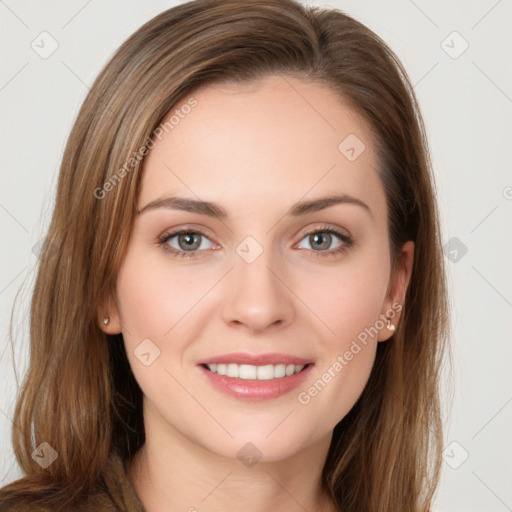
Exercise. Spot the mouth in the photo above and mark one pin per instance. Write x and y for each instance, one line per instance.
(255, 378)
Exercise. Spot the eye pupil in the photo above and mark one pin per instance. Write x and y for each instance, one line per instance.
(318, 236)
(188, 238)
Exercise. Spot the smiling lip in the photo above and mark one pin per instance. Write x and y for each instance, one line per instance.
(255, 359)
(256, 390)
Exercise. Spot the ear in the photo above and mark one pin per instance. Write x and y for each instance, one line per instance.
(395, 297)
(108, 316)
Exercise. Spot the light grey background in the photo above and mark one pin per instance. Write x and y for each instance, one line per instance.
(466, 100)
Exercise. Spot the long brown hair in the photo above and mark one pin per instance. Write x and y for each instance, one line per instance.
(79, 394)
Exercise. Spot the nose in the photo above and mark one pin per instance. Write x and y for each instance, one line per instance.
(257, 296)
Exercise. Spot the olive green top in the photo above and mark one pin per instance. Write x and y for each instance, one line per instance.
(114, 493)
(118, 493)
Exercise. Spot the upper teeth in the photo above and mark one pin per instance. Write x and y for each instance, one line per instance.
(250, 372)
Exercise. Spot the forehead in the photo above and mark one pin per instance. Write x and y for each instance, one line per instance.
(273, 142)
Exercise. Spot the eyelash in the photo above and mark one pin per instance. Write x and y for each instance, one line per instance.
(347, 242)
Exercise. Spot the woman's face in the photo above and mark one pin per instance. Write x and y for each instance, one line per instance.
(282, 291)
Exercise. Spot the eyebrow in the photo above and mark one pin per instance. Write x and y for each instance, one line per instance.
(213, 210)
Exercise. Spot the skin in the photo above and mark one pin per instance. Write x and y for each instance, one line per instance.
(255, 151)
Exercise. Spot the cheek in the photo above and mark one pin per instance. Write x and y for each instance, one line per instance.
(155, 296)
(157, 303)
(347, 300)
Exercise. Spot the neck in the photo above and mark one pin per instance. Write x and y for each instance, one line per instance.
(172, 471)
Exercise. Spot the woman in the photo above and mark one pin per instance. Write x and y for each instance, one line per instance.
(242, 288)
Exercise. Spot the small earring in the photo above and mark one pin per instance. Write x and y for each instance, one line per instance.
(390, 326)
(106, 320)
